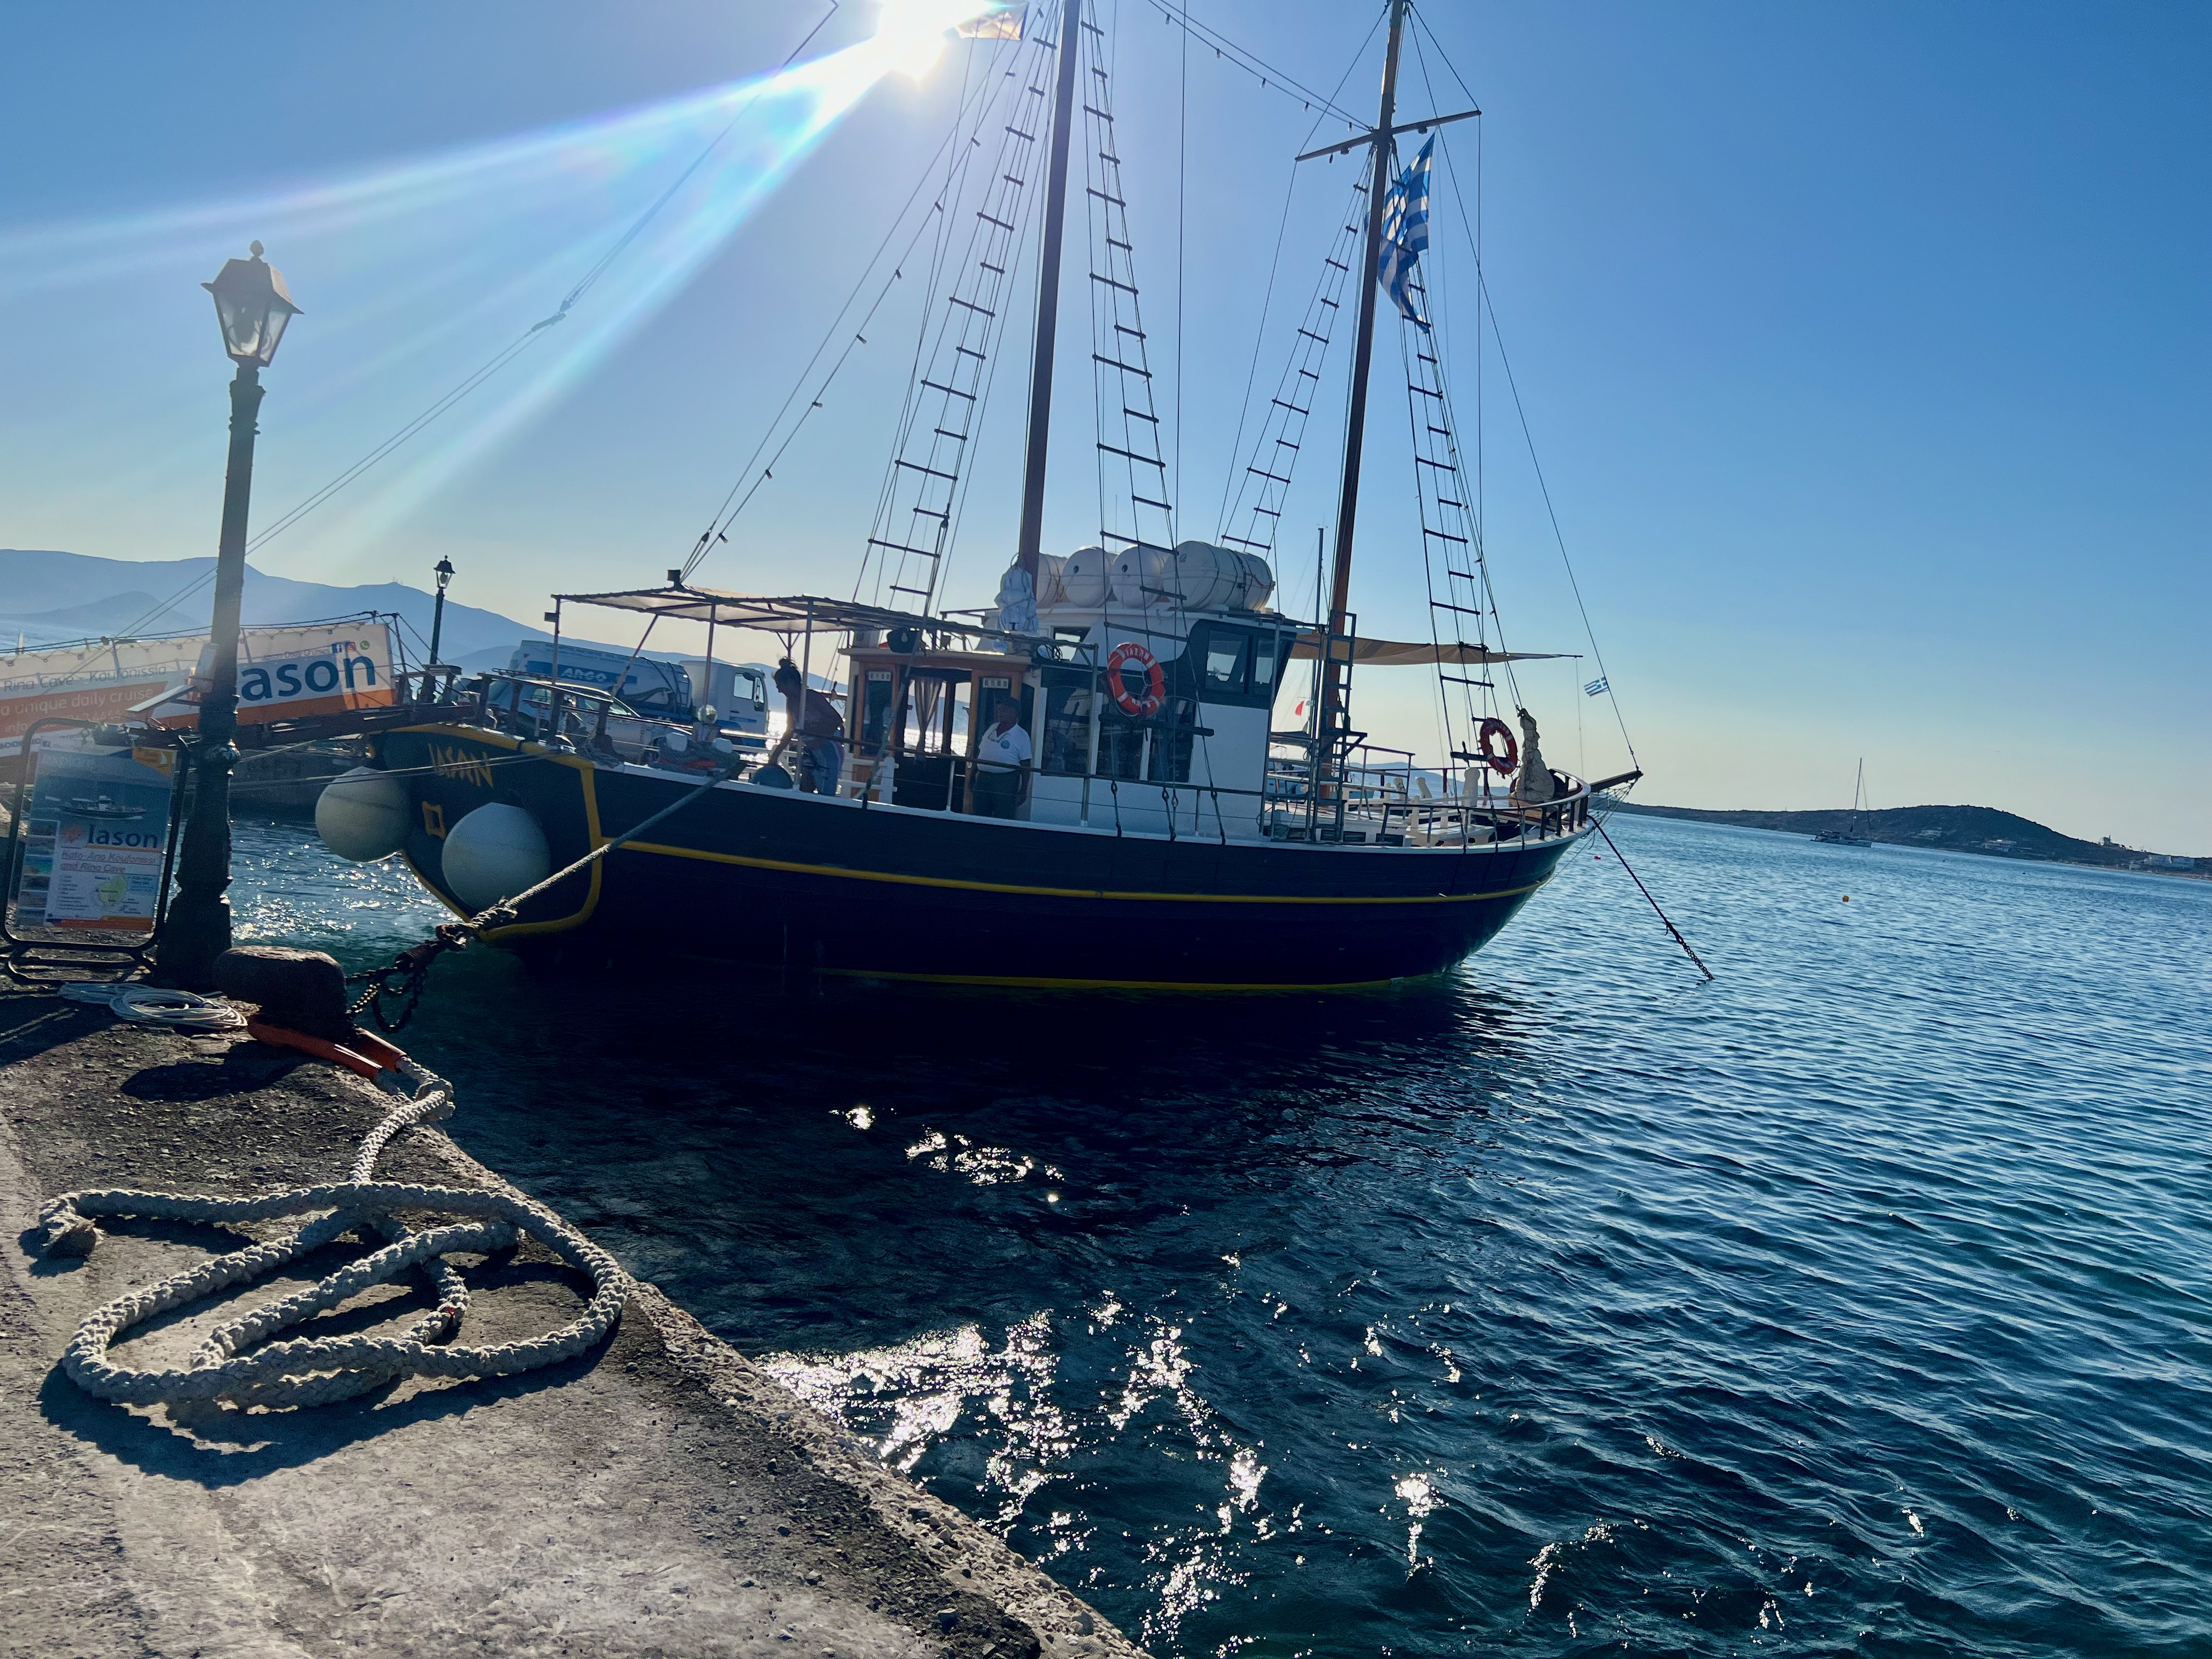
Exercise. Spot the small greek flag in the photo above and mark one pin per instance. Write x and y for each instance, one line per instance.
(1406, 234)
(1594, 687)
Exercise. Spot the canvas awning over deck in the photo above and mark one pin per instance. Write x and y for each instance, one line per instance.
(801, 613)
(804, 613)
(1410, 653)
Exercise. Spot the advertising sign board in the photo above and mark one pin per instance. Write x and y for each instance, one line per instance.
(94, 832)
(283, 673)
(290, 674)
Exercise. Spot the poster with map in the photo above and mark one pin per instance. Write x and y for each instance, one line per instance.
(93, 838)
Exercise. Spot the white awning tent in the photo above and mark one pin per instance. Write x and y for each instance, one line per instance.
(1410, 653)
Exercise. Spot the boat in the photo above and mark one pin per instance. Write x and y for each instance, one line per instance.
(1163, 832)
(1849, 836)
(101, 806)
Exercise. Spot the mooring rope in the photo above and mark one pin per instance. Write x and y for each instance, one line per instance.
(317, 1372)
(411, 967)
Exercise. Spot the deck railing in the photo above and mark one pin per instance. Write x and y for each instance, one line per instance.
(1369, 799)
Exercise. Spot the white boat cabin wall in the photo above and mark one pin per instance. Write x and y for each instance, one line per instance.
(1182, 749)
(1205, 647)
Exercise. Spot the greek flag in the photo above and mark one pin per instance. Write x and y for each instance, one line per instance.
(1405, 233)
(1594, 687)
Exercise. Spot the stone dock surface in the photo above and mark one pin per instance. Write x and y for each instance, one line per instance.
(658, 1496)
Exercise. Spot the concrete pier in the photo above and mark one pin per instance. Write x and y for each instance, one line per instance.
(659, 1496)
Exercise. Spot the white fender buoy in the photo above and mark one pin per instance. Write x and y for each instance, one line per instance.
(494, 852)
(364, 815)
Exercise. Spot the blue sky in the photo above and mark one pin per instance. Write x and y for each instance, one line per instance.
(1865, 346)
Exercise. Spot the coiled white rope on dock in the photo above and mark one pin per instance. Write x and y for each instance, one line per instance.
(150, 1004)
(315, 1371)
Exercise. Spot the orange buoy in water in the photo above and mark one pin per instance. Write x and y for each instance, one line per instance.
(1847, 898)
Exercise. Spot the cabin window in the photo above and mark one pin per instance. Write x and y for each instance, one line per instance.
(1067, 746)
(876, 711)
(1224, 662)
(1157, 751)
(1263, 665)
(1169, 759)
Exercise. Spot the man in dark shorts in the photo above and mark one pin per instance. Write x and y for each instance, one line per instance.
(815, 728)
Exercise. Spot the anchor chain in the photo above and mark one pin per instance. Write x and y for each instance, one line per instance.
(394, 991)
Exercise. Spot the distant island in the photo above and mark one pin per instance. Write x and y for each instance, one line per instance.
(1953, 829)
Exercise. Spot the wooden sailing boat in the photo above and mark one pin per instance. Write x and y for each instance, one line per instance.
(1168, 836)
(1849, 836)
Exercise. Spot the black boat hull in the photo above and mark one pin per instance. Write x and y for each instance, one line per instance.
(809, 885)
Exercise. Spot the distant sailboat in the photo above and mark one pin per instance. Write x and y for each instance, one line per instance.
(1849, 836)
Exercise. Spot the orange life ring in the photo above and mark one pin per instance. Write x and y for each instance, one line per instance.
(1494, 727)
(1156, 687)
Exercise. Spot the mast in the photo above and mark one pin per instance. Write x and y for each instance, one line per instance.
(1355, 425)
(1047, 313)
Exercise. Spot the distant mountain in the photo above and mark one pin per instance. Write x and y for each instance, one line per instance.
(1953, 829)
(51, 597)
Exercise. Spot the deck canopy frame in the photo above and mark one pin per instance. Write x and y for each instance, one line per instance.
(798, 613)
(1371, 652)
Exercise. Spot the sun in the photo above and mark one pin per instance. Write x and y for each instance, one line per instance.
(912, 33)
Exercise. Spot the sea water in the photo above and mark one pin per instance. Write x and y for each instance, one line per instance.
(1856, 1300)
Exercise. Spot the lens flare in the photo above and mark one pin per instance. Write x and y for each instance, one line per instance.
(416, 274)
(911, 33)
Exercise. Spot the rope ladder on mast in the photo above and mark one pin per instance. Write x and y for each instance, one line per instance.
(1133, 471)
(1459, 602)
(1254, 514)
(919, 503)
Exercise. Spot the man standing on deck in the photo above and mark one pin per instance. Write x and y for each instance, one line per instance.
(812, 721)
(1002, 762)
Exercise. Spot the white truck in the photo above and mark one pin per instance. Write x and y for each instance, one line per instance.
(661, 689)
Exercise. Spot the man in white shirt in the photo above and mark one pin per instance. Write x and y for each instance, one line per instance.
(1002, 762)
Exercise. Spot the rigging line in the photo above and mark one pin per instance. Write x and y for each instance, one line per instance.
(591, 276)
(1440, 314)
(1267, 76)
(1422, 26)
(1021, 206)
(1428, 565)
(1259, 340)
(1260, 335)
(1487, 307)
(1482, 289)
(723, 516)
(950, 195)
(1032, 204)
(508, 353)
(1182, 178)
(1489, 590)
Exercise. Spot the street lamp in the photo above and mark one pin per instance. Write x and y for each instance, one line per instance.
(252, 307)
(444, 571)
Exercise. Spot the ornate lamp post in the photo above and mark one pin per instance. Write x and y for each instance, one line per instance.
(444, 571)
(252, 307)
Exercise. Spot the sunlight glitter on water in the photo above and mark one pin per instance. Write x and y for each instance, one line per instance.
(1853, 1302)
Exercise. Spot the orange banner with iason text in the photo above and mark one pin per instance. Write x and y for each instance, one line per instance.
(291, 673)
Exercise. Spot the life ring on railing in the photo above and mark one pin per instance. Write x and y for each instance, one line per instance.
(1155, 683)
(1503, 764)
